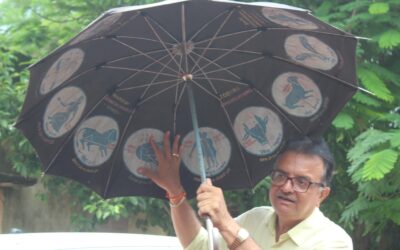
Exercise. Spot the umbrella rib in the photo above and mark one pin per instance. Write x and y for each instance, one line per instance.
(238, 143)
(152, 81)
(214, 36)
(207, 24)
(228, 35)
(137, 55)
(228, 52)
(147, 19)
(222, 80)
(204, 89)
(214, 63)
(117, 150)
(138, 70)
(314, 31)
(160, 26)
(236, 50)
(143, 38)
(145, 85)
(236, 65)
(106, 188)
(159, 92)
(133, 75)
(145, 54)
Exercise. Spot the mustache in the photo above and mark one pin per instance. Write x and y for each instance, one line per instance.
(288, 197)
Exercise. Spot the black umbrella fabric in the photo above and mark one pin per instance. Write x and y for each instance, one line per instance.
(261, 74)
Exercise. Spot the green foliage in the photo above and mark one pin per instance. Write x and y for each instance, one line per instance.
(344, 121)
(375, 84)
(389, 39)
(379, 164)
(378, 8)
(375, 161)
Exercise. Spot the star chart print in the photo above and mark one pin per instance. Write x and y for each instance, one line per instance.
(310, 52)
(259, 130)
(297, 94)
(138, 151)
(64, 111)
(62, 70)
(216, 151)
(95, 140)
(288, 19)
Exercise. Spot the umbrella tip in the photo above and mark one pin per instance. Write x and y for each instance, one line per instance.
(365, 91)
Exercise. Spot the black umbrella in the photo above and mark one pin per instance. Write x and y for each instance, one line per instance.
(259, 74)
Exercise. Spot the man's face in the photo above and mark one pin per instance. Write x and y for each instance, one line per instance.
(295, 206)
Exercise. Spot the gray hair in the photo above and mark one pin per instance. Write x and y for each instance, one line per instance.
(315, 146)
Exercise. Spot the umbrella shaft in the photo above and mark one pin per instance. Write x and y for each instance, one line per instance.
(200, 158)
(199, 149)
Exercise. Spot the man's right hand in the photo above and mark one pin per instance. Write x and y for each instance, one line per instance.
(166, 175)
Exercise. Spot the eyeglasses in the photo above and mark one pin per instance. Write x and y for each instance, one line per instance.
(300, 184)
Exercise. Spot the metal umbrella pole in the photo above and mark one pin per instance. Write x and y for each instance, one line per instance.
(187, 78)
(199, 152)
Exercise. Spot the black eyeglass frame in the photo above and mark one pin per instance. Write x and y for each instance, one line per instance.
(295, 187)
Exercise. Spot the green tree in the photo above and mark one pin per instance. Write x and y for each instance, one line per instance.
(366, 131)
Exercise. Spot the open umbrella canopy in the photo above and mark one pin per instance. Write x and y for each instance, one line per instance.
(261, 74)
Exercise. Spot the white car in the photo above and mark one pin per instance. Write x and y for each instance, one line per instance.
(87, 241)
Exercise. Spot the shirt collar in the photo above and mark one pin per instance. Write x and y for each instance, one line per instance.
(271, 223)
(303, 230)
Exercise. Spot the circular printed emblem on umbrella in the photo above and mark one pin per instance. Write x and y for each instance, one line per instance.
(63, 111)
(97, 28)
(95, 140)
(297, 94)
(138, 151)
(61, 70)
(259, 130)
(310, 52)
(288, 19)
(216, 151)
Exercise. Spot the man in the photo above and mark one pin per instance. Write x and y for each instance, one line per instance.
(300, 183)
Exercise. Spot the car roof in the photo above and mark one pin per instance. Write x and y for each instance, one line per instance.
(87, 241)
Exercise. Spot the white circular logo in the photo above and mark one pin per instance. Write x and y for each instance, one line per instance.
(95, 140)
(138, 151)
(63, 111)
(310, 51)
(297, 94)
(259, 130)
(61, 70)
(216, 151)
(97, 28)
(288, 19)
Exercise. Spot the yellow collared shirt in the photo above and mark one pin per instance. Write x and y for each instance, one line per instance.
(316, 232)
